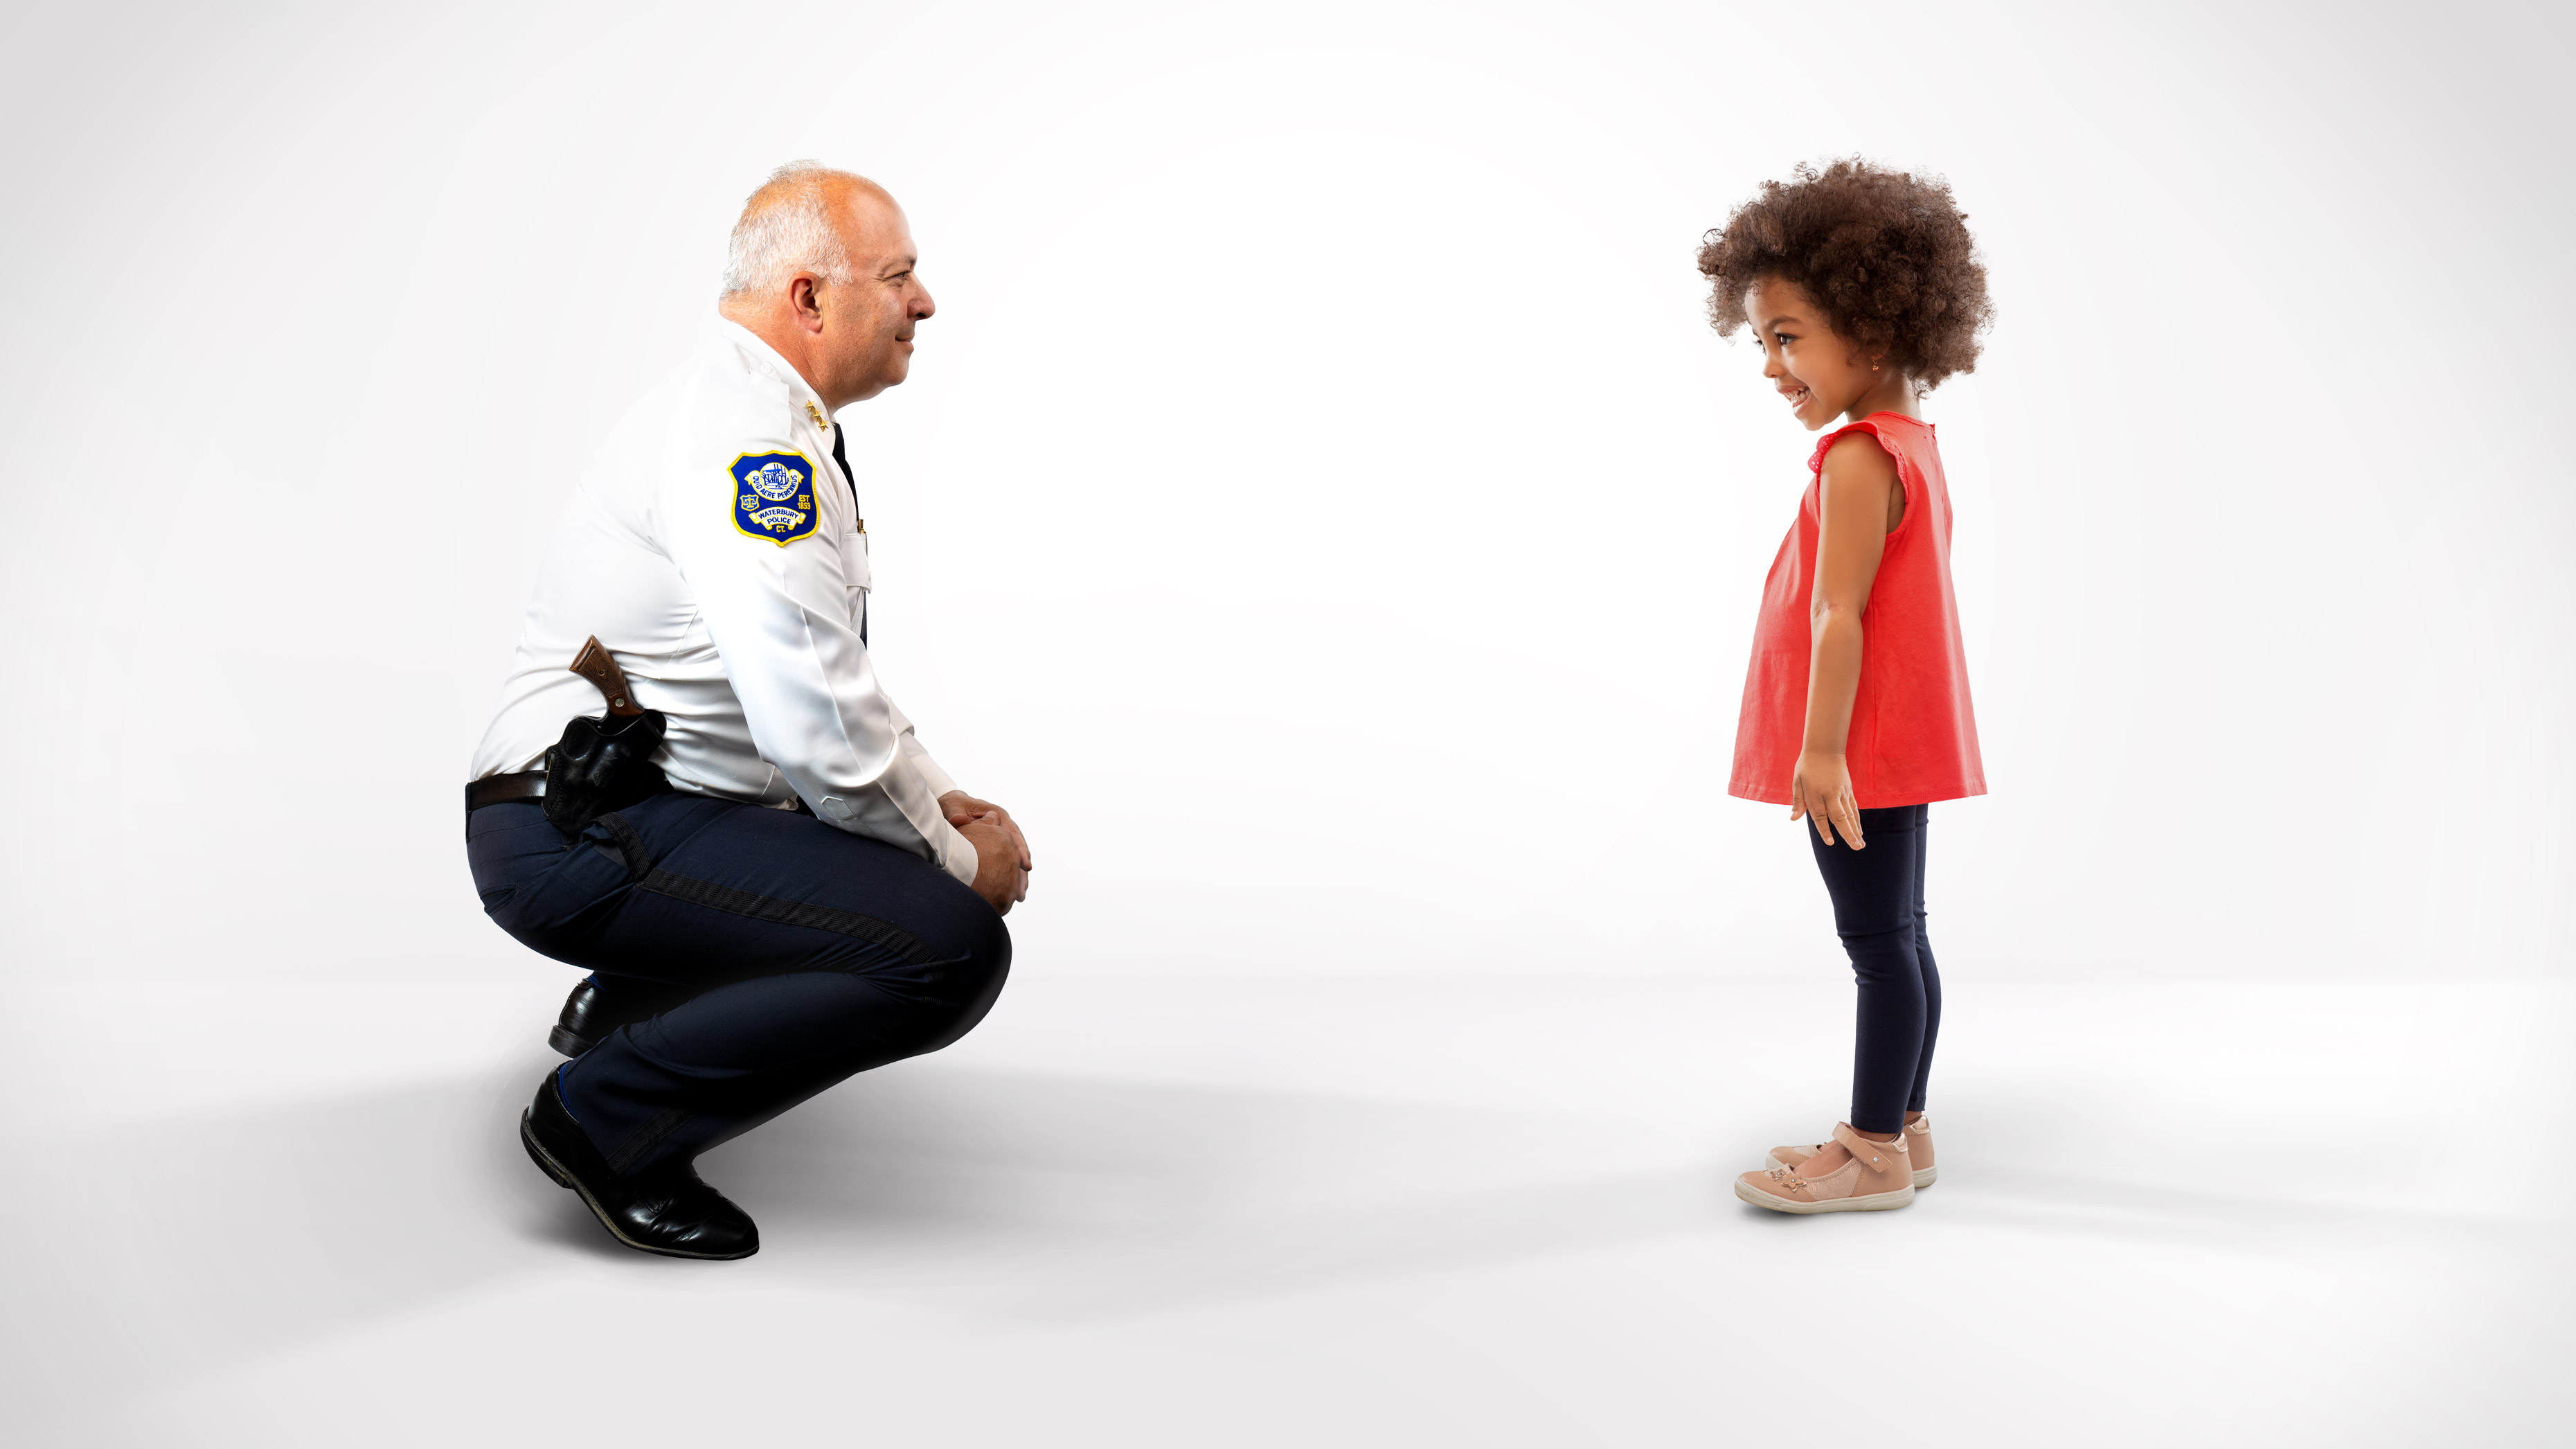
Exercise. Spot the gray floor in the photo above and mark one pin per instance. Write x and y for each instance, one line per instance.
(1143, 1212)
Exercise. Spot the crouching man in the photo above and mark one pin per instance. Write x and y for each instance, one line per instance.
(778, 887)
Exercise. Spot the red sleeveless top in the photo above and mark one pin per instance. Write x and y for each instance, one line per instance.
(1913, 735)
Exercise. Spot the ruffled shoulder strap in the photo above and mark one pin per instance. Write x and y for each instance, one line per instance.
(1824, 445)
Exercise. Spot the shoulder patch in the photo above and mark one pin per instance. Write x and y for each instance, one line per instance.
(773, 496)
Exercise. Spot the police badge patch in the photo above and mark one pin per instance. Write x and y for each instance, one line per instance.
(774, 496)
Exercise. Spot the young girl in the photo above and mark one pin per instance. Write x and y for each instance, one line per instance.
(1863, 288)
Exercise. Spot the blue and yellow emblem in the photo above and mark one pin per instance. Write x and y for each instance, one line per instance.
(774, 496)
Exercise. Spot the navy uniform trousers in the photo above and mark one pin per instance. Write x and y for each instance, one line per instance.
(800, 954)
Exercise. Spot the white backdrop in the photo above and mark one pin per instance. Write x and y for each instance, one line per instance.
(1320, 509)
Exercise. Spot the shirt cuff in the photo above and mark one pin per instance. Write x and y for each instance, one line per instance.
(956, 853)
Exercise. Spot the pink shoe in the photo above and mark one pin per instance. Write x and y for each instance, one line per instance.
(1918, 1144)
(1850, 1174)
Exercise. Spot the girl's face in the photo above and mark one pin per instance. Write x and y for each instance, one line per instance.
(1818, 372)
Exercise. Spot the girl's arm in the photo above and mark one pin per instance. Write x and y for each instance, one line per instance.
(1857, 505)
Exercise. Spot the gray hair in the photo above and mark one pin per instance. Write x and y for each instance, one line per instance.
(786, 228)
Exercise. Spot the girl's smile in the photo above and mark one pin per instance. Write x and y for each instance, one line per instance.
(1822, 375)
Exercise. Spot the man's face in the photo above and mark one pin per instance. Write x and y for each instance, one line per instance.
(868, 322)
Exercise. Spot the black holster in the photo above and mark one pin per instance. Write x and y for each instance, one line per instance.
(603, 764)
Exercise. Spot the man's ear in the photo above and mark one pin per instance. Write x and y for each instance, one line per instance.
(805, 299)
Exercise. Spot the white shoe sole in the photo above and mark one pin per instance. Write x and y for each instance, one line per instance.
(1872, 1202)
(1924, 1178)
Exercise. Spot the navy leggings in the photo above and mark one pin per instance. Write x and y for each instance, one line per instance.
(796, 953)
(1878, 911)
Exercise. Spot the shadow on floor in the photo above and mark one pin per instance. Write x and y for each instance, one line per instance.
(180, 1246)
(1058, 1197)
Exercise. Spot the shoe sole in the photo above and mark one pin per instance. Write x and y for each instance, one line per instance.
(1875, 1202)
(1923, 1178)
(567, 1043)
(545, 1163)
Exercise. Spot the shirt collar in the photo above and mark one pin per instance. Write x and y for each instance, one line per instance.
(768, 358)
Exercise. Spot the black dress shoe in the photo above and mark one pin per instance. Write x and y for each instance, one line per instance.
(668, 1209)
(597, 1008)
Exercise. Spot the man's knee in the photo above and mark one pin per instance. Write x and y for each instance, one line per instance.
(974, 985)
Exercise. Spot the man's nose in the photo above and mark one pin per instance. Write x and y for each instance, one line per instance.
(922, 306)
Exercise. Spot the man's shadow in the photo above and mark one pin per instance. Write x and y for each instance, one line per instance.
(1065, 1197)
(178, 1246)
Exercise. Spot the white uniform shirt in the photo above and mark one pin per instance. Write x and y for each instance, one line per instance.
(715, 549)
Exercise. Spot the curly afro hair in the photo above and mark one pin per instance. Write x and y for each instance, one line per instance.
(1886, 255)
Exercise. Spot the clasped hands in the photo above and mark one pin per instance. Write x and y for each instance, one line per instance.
(1002, 861)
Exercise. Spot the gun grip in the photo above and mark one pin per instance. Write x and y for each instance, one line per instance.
(594, 664)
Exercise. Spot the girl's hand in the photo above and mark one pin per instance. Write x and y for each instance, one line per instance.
(1821, 792)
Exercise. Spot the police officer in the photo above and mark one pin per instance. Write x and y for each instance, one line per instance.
(803, 894)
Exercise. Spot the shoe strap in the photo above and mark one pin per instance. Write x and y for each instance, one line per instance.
(1864, 1150)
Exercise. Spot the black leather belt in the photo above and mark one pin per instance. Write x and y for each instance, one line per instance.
(531, 785)
(503, 789)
